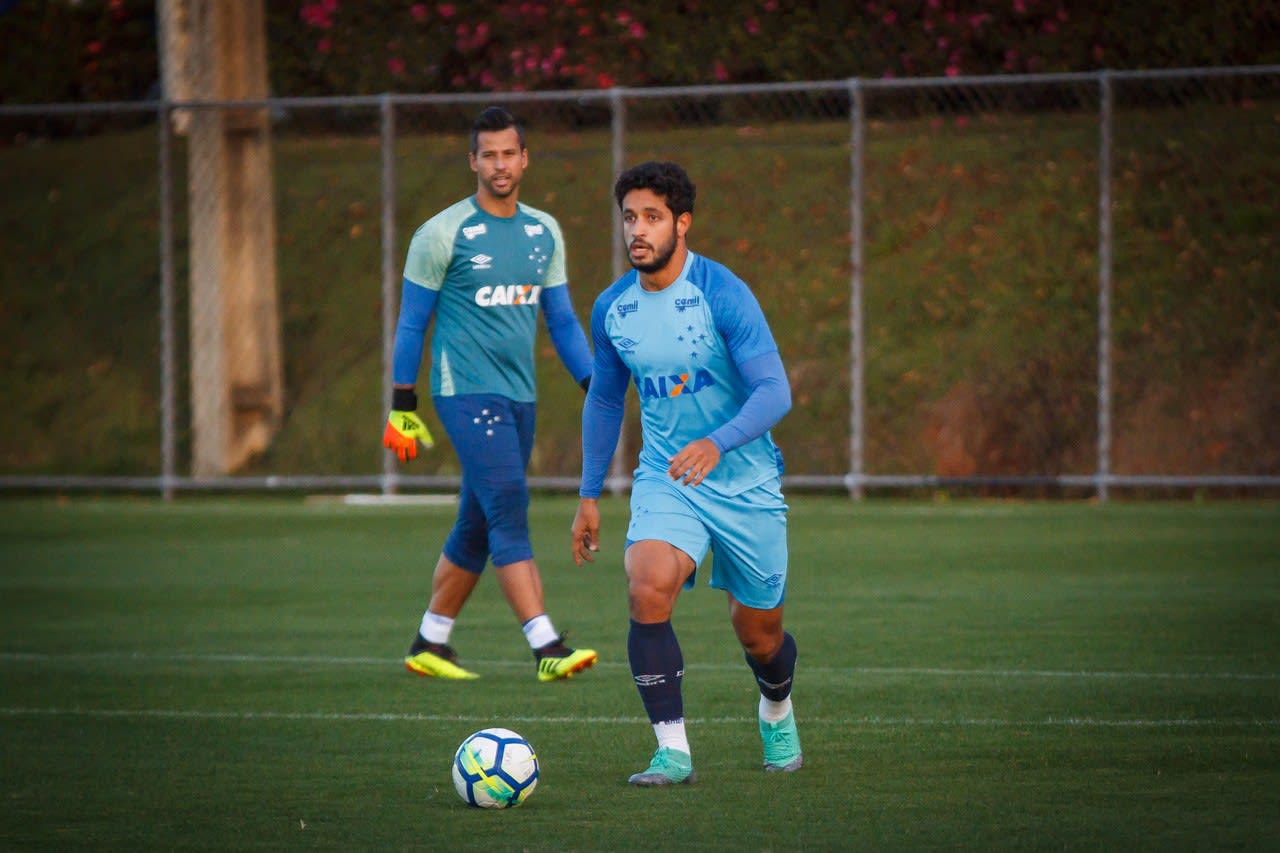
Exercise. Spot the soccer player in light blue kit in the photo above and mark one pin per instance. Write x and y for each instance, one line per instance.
(483, 267)
(692, 338)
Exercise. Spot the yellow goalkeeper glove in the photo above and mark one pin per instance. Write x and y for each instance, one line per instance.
(404, 428)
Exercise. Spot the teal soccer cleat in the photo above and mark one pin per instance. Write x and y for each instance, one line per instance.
(668, 767)
(781, 745)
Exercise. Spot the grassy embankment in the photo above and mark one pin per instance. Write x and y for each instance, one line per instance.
(980, 307)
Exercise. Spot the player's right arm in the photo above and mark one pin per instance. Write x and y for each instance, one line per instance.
(603, 409)
(404, 429)
(425, 269)
(602, 414)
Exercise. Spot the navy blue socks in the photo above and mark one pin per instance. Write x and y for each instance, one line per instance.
(775, 676)
(657, 664)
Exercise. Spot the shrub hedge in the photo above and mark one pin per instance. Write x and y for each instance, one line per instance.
(100, 50)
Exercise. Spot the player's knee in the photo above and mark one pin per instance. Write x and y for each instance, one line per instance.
(508, 495)
(507, 513)
(650, 597)
(760, 639)
(646, 606)
(762, 647)
(511, 549)
(652, 589)
(467, 547)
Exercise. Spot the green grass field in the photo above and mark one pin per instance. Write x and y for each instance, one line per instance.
(224, 674)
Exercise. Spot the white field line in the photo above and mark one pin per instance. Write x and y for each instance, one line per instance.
(325, 660)
(848, 722)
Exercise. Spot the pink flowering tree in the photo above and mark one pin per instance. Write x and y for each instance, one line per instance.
(58, 50)
(520, 45)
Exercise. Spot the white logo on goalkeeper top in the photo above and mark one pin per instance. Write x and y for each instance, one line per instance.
(473, 231)
(533, 230)
(481, 262)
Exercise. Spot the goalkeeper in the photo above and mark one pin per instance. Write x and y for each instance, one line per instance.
(482, 267)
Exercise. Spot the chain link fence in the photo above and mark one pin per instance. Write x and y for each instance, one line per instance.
(1053, 284)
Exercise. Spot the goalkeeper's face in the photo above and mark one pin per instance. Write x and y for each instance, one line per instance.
(499, 162)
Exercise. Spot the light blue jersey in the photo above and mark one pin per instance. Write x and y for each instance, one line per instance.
(490, 273)
(682, 347)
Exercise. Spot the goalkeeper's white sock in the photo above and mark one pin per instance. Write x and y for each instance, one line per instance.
(539, 631)
(436, 628)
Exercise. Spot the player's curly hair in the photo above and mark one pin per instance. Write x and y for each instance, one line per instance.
(667, 180)
(492, 119)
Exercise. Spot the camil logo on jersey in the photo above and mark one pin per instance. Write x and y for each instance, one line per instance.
(533, 230)
(473, 231)
(625, 308)
(674, 384)
(508, 294)
(687, 302)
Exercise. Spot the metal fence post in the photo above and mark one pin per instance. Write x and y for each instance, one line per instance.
(387, 121)
(857, 415)
(617, 480)
(1104, 288)
(168, 392)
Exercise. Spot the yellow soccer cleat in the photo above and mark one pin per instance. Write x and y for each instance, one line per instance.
(557, 661)
(435, 660)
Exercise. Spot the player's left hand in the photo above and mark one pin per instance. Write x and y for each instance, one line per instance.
(694, 461)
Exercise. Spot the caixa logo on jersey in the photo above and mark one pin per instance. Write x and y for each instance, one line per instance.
(508, 294)
(673, 384)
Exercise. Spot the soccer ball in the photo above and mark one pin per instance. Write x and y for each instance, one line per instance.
(495, 769)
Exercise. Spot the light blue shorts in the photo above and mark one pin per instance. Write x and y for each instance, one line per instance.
(746, 533)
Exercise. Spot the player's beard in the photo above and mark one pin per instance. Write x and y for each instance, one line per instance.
(512, 185)
(661, 256)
